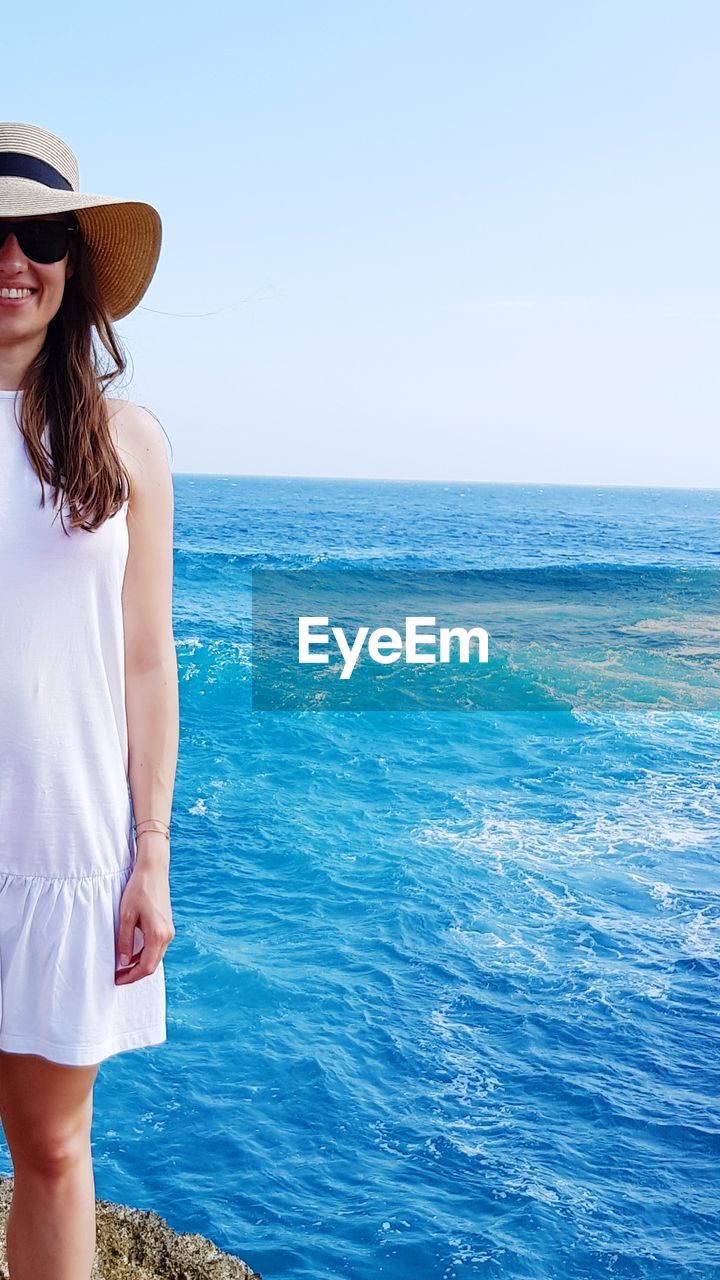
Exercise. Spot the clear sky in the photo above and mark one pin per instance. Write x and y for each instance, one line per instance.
(452, 240)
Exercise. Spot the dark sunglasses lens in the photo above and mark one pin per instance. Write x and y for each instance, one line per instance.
(40, 241)
(44, 241)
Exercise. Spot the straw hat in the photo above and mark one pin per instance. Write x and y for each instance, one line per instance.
(39, 174)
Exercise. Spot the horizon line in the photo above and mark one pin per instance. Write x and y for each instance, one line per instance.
(519, 484)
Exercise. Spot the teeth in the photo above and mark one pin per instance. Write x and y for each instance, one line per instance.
(15, 293)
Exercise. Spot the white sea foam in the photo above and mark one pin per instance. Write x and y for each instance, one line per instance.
(700, 625)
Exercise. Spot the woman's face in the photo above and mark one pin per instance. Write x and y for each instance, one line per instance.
(24, 320)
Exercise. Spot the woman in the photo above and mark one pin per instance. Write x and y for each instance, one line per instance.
(88, 688)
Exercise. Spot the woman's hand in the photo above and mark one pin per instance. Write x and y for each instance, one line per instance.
(145, 905)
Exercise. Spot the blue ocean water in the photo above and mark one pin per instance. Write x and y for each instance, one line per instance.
(443, 997)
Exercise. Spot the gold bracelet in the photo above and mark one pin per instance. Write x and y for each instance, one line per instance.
(153, 832)
(164, 828)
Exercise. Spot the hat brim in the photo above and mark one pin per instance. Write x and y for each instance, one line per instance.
(123, 236)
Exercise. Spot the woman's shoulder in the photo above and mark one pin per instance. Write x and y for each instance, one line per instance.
(131, 424)
(139, 439)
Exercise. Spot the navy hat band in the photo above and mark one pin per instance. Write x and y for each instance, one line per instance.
(14, 164)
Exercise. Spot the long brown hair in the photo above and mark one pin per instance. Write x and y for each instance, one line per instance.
(64, 388)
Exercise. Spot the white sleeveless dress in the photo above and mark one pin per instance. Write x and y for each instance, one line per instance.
(66, 841)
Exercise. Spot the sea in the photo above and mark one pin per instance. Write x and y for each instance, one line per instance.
(443, 996)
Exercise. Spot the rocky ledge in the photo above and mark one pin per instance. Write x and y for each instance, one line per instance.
(136, 1244)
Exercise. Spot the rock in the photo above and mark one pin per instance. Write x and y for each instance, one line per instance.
(136, 1244)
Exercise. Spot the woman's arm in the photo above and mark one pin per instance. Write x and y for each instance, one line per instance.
(151, 682)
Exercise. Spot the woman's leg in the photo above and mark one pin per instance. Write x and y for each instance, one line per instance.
(46, 1113)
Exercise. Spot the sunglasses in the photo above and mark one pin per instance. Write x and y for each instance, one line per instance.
(40, 241)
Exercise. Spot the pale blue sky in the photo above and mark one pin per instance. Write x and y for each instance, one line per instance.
(452, 240)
